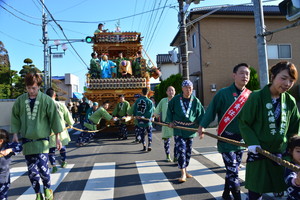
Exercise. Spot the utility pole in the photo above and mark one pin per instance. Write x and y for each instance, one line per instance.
(183, 42)
(261, 43)
(45, 42)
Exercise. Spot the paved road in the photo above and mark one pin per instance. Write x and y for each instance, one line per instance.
(108, 168)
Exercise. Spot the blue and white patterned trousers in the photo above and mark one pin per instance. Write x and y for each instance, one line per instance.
(62, 152)
(167, 142)
(232, 161)
(85, 137)
(38, 168)
(137, 133)
(184, 151)
(123, 131)
(142, 132)
(4, 190)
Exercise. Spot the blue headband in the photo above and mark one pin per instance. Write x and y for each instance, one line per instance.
(187, 83)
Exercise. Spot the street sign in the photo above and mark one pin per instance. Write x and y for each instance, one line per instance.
(57, 55)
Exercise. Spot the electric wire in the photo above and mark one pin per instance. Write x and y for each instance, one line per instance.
(152, 25)
(20, 40)
(149, 22)
(37, 6)
(133, 14)
(64, 34)
(71, 7)
(110, 20)
(156, 26)
(142, 15)
(20, 11)
(19, 17)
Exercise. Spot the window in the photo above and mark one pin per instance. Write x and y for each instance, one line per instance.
(75, 88)
(279, 51)
(194, 39)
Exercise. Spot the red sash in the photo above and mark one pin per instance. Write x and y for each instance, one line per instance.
(233, 110)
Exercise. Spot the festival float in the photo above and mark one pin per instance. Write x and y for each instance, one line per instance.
(108, 89)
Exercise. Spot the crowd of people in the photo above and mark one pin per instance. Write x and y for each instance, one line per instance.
(264, 119)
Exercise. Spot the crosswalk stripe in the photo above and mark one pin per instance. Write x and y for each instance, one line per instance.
(212, 182)
(56, 179)
(101, 182)
(155, 183)
(16, 172)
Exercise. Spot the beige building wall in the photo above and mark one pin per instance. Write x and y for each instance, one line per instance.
(229, 40)
(169, 69)
(6, 108)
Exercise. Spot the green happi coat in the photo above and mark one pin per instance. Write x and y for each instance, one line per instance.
(175, 113)
(162, 109)
(218, 107)
(121, 110)
(143, 107)
(96, 118)
(36, 124)
(66, 118)
(257, 126)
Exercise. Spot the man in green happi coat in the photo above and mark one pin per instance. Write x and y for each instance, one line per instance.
(34, 117)
(268, 119)
(120, 112)
(226, 105)
(66, 118)
(184, 110)
(161, 113)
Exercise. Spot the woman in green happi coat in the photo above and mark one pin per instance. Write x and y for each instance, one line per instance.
(268, 119)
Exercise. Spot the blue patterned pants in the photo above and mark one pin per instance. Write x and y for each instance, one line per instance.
(52, 154)
(4, 189)
(85, 137)
(142, 132)
(123, 131)
(184, 151)
(137, 133)
(167, 142)
(38, 168)
(232, 161)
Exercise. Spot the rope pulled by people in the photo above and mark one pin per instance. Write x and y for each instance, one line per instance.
(265, 153)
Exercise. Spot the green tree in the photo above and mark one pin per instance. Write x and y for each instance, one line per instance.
(253, 83)
(5, 73)
(58, 90)
(173, 80)
(28, 68)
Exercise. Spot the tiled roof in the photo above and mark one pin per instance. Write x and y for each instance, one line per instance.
(236, 10)
(163, 58)
(58, 77)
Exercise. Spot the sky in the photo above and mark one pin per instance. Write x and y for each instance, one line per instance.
(21, 28)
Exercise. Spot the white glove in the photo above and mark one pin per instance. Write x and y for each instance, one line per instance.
(252, 148)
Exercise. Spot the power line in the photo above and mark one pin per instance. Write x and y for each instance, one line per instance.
(133, 14)
(37, 6)
(20, 11)
(20, 40)
(142, 15)
(149, 22)
(111, 20)
(71, 7)
(64, 34)
(19, 17)
(156, 25)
